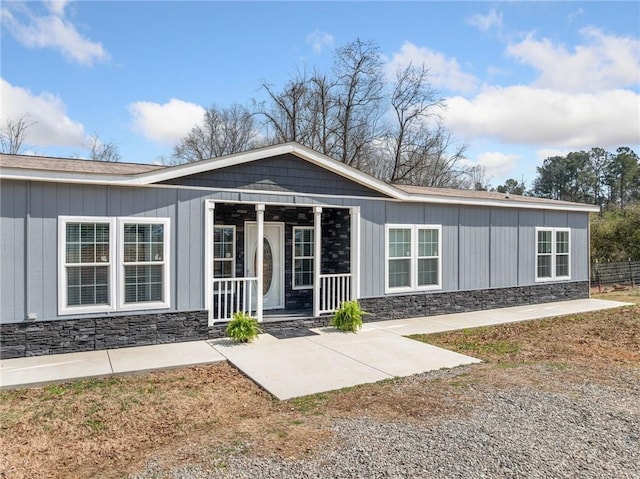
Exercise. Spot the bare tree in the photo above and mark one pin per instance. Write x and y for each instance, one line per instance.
(285, 117)
(13, 134)
(101, 151)
(359, 94)
(224, 131)
(414, 103)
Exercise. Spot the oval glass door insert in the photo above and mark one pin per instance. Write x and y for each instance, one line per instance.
(267, 266)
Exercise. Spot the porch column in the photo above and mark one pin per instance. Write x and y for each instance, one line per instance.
(259, 259)
(209, 224)
(317, 260)
(355, 252)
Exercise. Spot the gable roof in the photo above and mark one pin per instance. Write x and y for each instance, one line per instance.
(36, 168)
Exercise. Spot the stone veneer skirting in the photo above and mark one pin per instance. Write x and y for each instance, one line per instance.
(37, 338)
(432, 304)
(88, 334)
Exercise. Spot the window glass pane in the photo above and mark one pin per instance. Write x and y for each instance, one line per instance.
(87, 232)
(87, 285)
(222, 269)
(102, 233)
(130, 255)
(303, 272)
(102, 253)
(157, 233)
(544, 266)
(143, 283)
(562, 265)
(88, 253)
(399, 243)
(544, 242)
(73, 232)
(399, 273)
(562, 242)
(144, 233)
(130, 233)
(73, 253)
(157, 252)
(427, 242)
(427, 272)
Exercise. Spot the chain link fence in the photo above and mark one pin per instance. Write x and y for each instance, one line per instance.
(608, 274)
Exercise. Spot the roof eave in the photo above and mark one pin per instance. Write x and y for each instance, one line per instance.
(578, 207)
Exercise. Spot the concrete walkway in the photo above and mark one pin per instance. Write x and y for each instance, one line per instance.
(296, 366)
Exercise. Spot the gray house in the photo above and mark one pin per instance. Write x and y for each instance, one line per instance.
(98, 255)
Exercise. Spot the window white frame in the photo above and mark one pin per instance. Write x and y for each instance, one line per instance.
(231, 259)
(63, 266)
(164, 262)
(553, 254)
(413, 258)
(295, 257)
(115, 265)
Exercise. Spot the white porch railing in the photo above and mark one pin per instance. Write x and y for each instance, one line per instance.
(334, 289)
(231, 295)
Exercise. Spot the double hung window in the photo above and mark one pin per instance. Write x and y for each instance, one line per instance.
(413, 257)
(303, 257)
(224, 254)
(552, 254)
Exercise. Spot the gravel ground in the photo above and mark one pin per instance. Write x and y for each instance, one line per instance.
(584, 431)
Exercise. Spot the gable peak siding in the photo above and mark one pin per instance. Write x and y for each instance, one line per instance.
(285, 173)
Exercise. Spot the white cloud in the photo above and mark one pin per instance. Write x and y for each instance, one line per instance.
(497, 164)
(444, 73)
(493, 19)
(602, 62)
(165, 123)
(536, 116)
(51, 31)
(51, 125)
(319, 40)
(544, 153)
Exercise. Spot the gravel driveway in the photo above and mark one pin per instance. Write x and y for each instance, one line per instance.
(586, 430)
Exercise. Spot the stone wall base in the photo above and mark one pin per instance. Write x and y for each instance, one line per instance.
(432, 304)
(88, 334)
(73, 335)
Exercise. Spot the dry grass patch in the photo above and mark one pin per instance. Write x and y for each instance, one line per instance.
(103, 427)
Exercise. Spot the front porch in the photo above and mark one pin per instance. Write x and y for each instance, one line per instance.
(309, 260)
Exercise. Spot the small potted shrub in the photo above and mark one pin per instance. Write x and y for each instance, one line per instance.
(348, 317)
(243, 328)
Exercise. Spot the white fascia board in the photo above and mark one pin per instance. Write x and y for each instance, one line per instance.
(500, 204)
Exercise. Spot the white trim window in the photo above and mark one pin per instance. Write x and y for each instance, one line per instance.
(413, 257)
(104, 267)
(144, 265)
(86, 259)
(303, 257)
(224, 251)
(553, 254)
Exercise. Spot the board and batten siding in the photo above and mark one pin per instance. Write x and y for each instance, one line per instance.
(481, 246)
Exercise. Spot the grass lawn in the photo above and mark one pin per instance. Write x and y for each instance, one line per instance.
(114, 426)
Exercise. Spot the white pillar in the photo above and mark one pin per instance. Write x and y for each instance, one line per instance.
(317, 259)
(259, 259)
(209, 213)
(355, 252)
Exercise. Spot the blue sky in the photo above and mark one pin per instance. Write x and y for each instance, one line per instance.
(522, 81)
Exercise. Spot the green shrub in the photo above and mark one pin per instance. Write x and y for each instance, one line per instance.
(348, 317)
(243, 328)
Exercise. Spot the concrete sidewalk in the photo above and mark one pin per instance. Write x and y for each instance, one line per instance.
(296, 366)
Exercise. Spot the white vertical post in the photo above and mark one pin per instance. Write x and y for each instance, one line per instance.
(355, 252)
(259, 259)
(209, 217)
(317, 260)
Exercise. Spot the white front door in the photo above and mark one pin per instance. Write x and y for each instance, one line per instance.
(273, 261)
